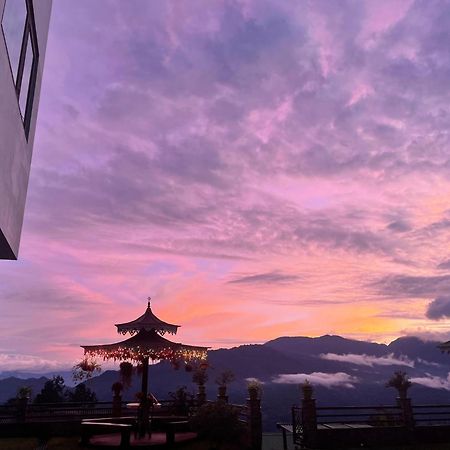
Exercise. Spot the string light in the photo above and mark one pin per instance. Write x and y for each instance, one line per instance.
(139, 354)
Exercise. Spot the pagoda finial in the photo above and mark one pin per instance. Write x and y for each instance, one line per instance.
(148, 304)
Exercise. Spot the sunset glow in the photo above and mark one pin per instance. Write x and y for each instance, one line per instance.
(259, 168)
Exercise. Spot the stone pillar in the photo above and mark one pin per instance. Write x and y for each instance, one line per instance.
(309, 417)
(254, 420)
(117, 405)
(222, 394)
(201, 394)
(405, 406)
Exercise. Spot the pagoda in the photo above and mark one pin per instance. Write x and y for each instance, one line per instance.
(147, 343)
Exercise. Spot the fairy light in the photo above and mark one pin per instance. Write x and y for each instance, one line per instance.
(139, 354)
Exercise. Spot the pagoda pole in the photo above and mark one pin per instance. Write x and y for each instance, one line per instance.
(144, 426)
(145, 377)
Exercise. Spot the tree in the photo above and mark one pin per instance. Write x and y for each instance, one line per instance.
(53, 391)
(81, 394)
(182, 400)
(400, 381)
(218, 423)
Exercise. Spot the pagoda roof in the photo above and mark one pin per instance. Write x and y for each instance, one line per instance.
(147, 344)
(148, 321)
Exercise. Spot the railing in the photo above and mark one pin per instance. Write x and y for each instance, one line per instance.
(66, 411)
(57, 412)
(431, 414)
(297, 426)
(359, 415)
(342, 425)
(8, 413)
(12, 416)
(243, 412)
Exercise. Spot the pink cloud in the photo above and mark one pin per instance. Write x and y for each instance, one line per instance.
(301, 153)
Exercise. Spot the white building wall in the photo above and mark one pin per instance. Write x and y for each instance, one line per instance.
(15, 150)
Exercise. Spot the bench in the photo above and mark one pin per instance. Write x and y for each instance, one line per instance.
(285, 428)
(173, 427)
(92, 427)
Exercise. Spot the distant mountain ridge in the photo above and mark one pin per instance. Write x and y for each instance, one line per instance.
(342, 371)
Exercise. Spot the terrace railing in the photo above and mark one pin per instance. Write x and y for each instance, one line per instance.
(54, 412)
(359, 415)
(425, 415)
(326, 426)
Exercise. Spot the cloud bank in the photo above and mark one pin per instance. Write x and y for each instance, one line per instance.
(433, 381)
(329, 380)
(368, 360)
(28, 363)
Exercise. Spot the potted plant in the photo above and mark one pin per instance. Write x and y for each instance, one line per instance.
(400, 381)
(200, 377)
(222, 380)
(307, 390)
(254, 388)
(182, 401)
(85, 369)
(218, 423)
(126, 373)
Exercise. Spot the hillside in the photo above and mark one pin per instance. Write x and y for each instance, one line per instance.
(343, 371)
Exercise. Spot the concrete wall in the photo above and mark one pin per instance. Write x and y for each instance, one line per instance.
(15, 150)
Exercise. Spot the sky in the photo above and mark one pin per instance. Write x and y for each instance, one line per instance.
(259, 168)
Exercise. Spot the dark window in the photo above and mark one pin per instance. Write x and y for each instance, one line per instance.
(13, 24)
(19, 30)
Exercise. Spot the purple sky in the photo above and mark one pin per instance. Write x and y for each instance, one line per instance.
(260, 168)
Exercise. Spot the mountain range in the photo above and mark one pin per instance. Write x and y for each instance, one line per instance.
(342, 371)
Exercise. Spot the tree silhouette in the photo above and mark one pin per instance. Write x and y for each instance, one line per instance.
(54, 391)
(81, 393)
(400, 381)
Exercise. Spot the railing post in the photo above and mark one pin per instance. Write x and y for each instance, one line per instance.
(309, 416)
(22, 405)
(405, 406)
(201, 394)
(222, 394)
(255, 420)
